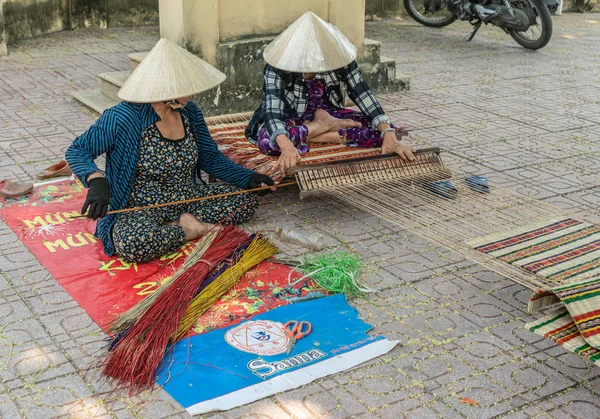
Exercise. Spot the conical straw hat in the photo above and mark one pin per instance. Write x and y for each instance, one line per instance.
(310, 45)
(169, 72)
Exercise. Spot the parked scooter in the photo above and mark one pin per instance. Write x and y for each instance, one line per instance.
(528, 22)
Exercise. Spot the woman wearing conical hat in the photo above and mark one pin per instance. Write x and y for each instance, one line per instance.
(156, 143)
(302, 97)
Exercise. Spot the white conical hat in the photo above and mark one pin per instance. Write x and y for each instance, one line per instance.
(310, 45)
(169, 72)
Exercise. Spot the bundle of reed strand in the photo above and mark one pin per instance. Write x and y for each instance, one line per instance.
(214, 274)
(226, 264)
(128, 318)
(335, 272)
(259, 250)
(134, 359)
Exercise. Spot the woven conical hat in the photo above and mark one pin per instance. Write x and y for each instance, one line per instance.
(310, 45)
(169, 72)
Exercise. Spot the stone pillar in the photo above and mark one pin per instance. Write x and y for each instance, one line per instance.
(232, 34)
(202, 25)
(193, 24)
(3, 49)
(171, 20)
(349, 17)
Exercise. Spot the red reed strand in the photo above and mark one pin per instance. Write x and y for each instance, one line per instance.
(134, 360)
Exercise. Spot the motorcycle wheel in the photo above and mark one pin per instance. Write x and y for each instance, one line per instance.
(536, 36)
(418, 11)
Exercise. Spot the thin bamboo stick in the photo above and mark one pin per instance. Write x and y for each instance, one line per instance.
(186, 201)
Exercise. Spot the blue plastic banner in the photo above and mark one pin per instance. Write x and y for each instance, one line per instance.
(230, 367)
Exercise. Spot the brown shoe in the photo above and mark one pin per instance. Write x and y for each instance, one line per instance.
(56, 170)
(14, 189)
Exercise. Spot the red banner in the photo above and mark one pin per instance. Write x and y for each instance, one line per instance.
(46, 222)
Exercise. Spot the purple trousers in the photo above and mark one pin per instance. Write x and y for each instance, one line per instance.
(366, 136)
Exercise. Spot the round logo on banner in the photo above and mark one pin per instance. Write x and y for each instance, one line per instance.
(260, 337)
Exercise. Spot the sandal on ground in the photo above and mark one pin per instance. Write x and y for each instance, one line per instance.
(443, 188)
(14, 189)
(478, 183)
(56, 170)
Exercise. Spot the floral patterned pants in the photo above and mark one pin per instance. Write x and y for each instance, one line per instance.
(366, 136)
(141, 236)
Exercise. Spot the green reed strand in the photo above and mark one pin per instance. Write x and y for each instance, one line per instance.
(336, 272)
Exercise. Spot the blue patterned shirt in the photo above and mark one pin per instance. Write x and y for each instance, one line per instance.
(117, 133)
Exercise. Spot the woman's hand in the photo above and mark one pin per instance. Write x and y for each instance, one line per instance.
(289, 154)
(258, 180)
(97, 197)
(392, 145)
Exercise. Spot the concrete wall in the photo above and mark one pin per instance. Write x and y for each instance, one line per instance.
(3, 50)
(384, 8)
(581, 6)
(86, 13)
(29, 18)
(132, 12)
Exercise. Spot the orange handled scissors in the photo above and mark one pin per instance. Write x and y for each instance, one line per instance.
(296, 330)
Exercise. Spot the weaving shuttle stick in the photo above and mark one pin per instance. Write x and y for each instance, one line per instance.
(427, 167)
(186, 201)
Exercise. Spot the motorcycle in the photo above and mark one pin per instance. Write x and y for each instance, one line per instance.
(528, 22)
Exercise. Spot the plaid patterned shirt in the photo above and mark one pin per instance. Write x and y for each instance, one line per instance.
(285, 95)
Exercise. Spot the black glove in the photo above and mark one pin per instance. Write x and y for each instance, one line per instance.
(257, 180)
(97, 198)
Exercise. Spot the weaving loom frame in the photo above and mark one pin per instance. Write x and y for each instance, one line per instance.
(312, 178)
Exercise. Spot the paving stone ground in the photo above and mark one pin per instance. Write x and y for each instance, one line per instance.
(529, 121)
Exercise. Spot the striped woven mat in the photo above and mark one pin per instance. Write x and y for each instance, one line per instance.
(232, 142)
(560, 328)
(576, 326)
(566, 252)
(559, 249)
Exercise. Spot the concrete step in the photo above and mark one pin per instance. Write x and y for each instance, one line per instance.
(400, 82)
(111, 82)
(136, 58)
(95, 100)
(382, 77)
(390, 65)
(369, 55)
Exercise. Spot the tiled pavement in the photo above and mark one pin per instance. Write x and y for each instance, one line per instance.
(528, 121)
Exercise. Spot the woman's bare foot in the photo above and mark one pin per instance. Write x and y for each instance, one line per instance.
(331, 137)
(193, 227)
(345, 123)
(334, 124)
(323, 117)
